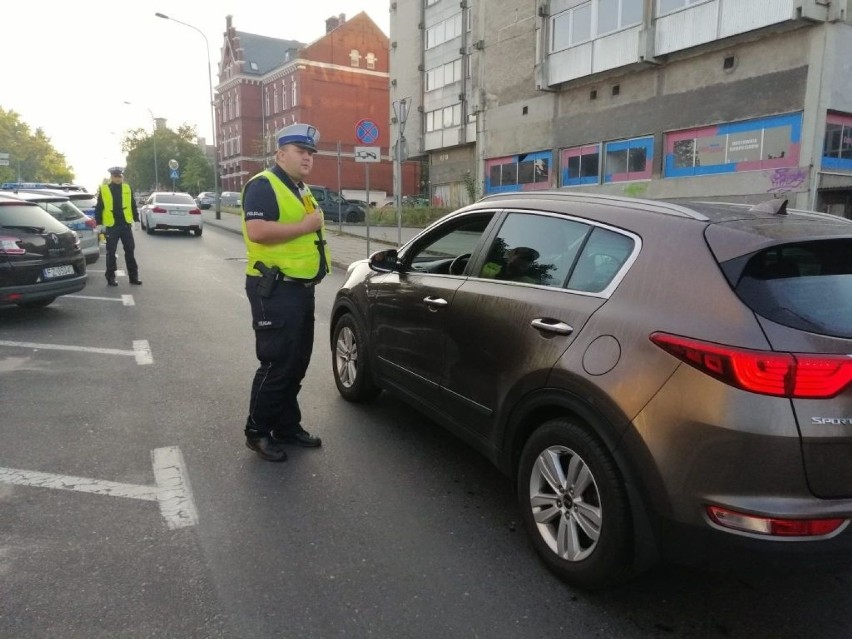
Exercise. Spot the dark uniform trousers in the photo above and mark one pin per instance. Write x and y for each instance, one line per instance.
(124, 233)
(284, 338)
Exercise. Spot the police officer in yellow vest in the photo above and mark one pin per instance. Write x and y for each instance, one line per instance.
(287, 256)
(115, 213)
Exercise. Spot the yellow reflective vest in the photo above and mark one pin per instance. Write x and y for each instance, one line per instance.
(126, 204)
(300, 257)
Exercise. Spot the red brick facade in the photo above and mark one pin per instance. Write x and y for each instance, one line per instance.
(332, 84)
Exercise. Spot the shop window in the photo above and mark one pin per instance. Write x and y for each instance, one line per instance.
(581, 165)
(629, 160)
(837, 151)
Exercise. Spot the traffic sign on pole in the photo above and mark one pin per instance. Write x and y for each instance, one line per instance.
(4, 159)
(366, 131)
(368, 154)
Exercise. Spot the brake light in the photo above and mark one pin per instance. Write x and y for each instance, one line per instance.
(159, 209)
(773, 525)
(11, 246)
(195, 212)
(792, 375)
(90, 222)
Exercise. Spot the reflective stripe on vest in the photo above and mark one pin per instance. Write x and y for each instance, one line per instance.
(106, 196)
(299, 257)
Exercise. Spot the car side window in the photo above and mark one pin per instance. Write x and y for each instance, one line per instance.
(534, 249)
(448, 248)
(600, 260)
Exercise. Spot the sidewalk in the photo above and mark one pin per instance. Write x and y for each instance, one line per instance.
(347, 245)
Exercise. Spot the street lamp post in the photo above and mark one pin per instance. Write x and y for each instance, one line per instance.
(154, 138)
(217, 201)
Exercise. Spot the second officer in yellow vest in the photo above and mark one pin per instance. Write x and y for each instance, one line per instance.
(287, 256)
(116, 212)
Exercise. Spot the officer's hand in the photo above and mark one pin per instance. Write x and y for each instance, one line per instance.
(312, 222)
(136, 226)
(100, 229)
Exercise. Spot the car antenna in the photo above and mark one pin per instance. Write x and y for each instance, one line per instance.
(775, 207)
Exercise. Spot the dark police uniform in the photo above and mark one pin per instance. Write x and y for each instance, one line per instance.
(283, 321)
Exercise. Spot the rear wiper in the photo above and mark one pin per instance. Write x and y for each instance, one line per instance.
(33, 229)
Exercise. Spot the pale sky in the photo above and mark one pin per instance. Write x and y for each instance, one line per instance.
(68, 67)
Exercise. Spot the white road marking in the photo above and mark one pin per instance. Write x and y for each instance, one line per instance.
(127, 300)
(118, 272)
(141, 351)
(172, 490)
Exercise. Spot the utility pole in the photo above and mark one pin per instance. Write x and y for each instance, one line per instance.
(400, 112)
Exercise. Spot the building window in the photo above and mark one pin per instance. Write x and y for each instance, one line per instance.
(752, 145)
(617, 14)
(443, 118)
(571, 27)
(444, 31)
(265, 101)
(284, 95)
(354, 58)
(581, 165)
(523, 172)
(294, 95)
(275, 98)
(444, 74)
(628, 160)
(237, 106)
(371, 60)
(669, 6)
(837, 152)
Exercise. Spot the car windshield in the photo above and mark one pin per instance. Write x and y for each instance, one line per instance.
(806, 285)
(83, 200)
(28, 215)
(174, 198)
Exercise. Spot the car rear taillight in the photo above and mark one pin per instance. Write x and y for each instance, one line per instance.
(793, 375)
(90, 222)
(159, 209)
(195, 212)
(11, 246)
(772, 525)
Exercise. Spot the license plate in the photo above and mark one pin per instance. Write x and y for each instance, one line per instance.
(58, 271)
(177, 212)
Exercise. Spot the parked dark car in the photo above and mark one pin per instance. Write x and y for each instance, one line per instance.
(662, 380)
(335, 208)
(40, 258)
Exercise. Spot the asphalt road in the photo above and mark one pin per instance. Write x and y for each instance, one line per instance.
(129, 506)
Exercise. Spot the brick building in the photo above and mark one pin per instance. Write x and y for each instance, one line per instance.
(332, 83)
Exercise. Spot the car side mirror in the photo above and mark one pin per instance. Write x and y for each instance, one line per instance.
(386, 261)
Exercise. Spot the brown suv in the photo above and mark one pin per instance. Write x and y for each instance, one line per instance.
(662, 380)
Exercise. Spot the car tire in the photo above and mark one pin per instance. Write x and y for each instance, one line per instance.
(353, 217)
(349, 361)
(197, 232)
(148, 228)
(37, 303)
(574, 505)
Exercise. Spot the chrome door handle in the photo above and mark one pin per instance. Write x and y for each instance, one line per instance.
(552, 327)
(435, 302)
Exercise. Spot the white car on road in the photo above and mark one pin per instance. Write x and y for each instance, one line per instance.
(167, 211)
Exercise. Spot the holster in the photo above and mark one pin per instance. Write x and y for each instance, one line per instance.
(268, 279)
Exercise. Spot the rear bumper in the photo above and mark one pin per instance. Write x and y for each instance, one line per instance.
(182, 222)
(42, 290)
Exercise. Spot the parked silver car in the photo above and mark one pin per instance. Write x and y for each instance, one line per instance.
(662, 380)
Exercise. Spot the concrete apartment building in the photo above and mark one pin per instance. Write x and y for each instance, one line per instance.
(266, 83)
(741, 100)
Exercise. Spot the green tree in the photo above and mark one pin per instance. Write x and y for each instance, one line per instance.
(32, 156)
(196, 172)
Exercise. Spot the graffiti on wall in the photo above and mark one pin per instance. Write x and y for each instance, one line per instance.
(787, 179)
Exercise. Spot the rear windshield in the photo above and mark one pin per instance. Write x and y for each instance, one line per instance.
(83, 200)
(174, 198)
(806, 285)
(62, 211)
(28, 217)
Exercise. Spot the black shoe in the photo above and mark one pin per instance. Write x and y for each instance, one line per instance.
(299, 438)
(266, 448)
(136, 282)
(112, 283)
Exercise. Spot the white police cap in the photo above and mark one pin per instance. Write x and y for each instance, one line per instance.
(116, 170)
(302, 135)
